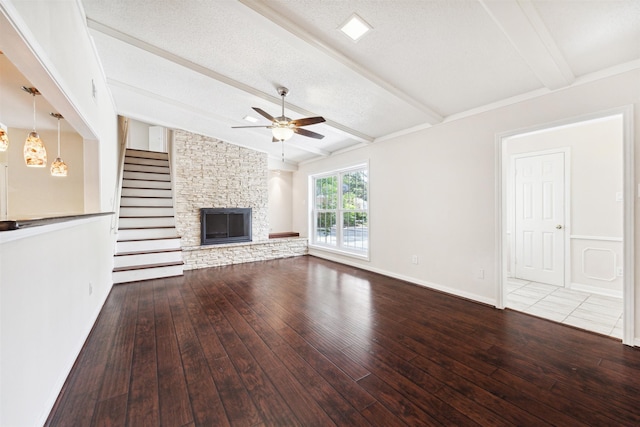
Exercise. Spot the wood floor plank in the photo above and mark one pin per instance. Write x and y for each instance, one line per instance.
(304, 341)
(272, 407)
(174, 403)
(205, 401)
(143, 406)
(327, 397)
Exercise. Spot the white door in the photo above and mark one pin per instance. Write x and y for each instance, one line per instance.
(539, 218)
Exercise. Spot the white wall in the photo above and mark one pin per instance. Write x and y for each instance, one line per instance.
(46, 317)
(433, 192)
(595, 224)
(280, 201)
(52, 287)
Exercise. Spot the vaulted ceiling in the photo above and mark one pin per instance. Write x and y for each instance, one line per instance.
(201, 65)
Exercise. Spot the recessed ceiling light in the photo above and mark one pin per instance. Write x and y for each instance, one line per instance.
(355, 27)
(250, 119)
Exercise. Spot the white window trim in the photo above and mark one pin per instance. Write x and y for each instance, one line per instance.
(364, 255)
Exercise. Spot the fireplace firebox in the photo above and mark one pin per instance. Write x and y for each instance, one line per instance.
(225, 225)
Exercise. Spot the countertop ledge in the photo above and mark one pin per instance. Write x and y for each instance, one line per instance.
(17, 224)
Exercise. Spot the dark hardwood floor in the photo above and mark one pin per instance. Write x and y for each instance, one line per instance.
(302, 341)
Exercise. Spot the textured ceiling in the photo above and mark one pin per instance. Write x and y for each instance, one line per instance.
(201, 65)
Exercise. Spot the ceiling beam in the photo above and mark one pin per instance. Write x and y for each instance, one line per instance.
(176, 59)
(522, 25)
(191, 110)
(432, 116)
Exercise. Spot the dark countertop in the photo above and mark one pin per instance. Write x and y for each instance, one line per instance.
(17, 224)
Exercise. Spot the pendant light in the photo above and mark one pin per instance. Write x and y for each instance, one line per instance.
(58, 167)
(4, 138)
(35, 153)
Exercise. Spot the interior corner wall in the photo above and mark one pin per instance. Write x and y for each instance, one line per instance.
(433, 192)
(280, 202)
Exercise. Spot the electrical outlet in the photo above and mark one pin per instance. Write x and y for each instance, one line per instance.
(414, 259)
(90, 288)
(481, 274)
(620, 271)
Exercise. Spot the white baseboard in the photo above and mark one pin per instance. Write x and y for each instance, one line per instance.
(596, 290)
(435, 286)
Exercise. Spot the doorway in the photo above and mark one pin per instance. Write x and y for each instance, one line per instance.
(564, 223)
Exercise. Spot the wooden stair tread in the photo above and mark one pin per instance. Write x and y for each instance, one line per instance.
(151, 238)
(145, 228)
(147, 266)
(159, 251)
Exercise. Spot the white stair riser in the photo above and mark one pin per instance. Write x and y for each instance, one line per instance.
(145, 211)
(146, 154)
(144, 259)
(148, 162)
(138, 183)
(145, 201)
(147, 176)
(147, 233)
(143, 168)
(147, 245)
(146, 222)
(147, 274)
(145, 192)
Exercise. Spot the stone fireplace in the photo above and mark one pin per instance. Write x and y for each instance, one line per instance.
(213, 174)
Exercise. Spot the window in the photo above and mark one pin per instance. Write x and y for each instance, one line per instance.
(341, 210)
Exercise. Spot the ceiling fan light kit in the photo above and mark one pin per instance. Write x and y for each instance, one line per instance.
(282, 127)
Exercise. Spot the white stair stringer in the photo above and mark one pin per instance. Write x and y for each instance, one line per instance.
(148, 245)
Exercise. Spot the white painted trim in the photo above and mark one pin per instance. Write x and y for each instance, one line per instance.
(629, 200)
(596, 290)
(434, 286)
(598, 238)
(4, 191)
(628, 260)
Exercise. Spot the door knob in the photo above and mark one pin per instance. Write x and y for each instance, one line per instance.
(559, 227)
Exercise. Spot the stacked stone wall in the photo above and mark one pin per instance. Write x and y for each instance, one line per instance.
(210, 173)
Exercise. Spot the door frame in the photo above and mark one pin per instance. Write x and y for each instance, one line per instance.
(567, 205)
(501, 174)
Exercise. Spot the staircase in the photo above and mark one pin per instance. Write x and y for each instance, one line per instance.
(148, 245)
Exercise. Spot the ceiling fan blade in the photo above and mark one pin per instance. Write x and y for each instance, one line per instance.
(263, 113)
(239, 127)
(308, 133)
(307, 121)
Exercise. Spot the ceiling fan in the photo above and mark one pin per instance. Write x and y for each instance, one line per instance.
(282, 127)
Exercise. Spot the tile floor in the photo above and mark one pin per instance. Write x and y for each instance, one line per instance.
(597, 313)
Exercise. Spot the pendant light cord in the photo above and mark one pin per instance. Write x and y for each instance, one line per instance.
(58, 137)
(34, 112)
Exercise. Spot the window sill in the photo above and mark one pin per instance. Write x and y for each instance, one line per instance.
(357, 255)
